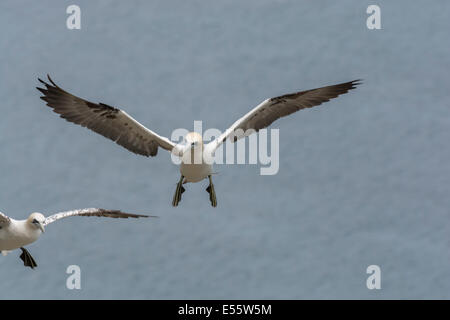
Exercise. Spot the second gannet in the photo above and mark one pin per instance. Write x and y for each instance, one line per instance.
(15, 234)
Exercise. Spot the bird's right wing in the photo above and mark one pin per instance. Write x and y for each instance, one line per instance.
(110, 122)
(272, 109)
(4, 220)
(92, 212)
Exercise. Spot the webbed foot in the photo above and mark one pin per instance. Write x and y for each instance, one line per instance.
(212, 193)
(27, 259)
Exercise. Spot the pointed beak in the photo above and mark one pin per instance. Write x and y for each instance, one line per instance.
(41, 227)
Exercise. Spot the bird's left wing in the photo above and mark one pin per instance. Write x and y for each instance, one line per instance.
(4, 220)
(110, 122)
(92, 212)
(274, 108)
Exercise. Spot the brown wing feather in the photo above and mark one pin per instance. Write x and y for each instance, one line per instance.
(287, 104)
(106, 120)
(272, 109)
(93, 212)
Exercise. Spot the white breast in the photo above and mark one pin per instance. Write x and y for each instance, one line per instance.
(17, 235)
(195, 172)
(193, 167)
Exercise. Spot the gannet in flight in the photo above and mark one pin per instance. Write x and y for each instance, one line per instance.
(15, 234)
(118, 126)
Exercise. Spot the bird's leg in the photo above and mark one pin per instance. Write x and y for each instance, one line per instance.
(212, 192)
(178, 192)
(27, 259)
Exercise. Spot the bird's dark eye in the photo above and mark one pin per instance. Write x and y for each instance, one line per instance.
(35, 221)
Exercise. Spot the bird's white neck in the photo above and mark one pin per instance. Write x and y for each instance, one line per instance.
(193, 155)
(26, 231)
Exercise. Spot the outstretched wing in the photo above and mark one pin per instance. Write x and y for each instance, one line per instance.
(92, 212)
(272, 109)
(108, 121)
(4, 220)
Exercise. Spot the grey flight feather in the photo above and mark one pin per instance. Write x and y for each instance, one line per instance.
(92, 212)
(275, 108)
(284, 105)
(110, 122)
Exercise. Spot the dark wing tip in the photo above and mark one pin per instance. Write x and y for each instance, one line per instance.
(356, 82)
(347, 86)
(134, 215)
(44, 91)
(47, 84)
(121, 214)
(50, 79)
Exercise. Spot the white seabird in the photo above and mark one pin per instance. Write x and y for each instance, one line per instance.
(118, 126)
(15, 234)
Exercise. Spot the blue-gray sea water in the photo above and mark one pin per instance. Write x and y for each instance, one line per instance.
(364, 179)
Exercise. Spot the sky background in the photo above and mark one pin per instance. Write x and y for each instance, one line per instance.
(363, 179)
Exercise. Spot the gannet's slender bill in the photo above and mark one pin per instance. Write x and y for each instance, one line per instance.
(118, 126)
(15, 234)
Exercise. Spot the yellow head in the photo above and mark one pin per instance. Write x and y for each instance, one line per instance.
(194, 140)
(36, 220)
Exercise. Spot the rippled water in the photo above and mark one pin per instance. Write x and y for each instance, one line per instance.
(363, 179)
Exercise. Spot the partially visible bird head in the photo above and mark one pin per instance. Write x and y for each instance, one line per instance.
(36, 220)
(194, 140)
